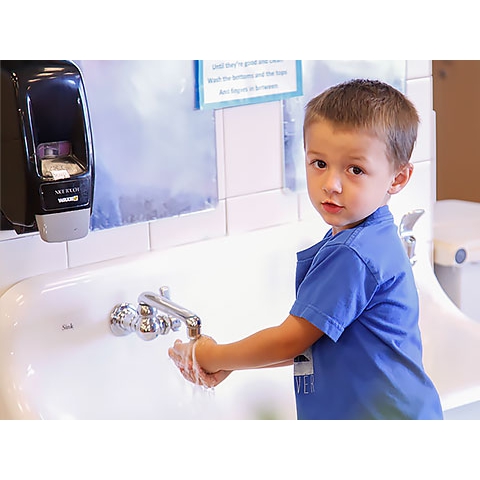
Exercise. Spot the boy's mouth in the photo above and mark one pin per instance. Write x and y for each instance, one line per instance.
(331, 207)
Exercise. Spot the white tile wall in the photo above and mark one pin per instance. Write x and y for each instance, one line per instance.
(420, 92)
(220, 145)
(418, 69)
(249, 159)
(108, 244)
(261, 210)
(253, 136)
(26, 256)
(190, 228)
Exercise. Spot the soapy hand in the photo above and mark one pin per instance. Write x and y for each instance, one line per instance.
(183, 355)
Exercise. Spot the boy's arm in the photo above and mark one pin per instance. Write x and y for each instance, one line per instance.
(269, 347)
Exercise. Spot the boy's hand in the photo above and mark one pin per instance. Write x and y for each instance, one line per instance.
(183, 355)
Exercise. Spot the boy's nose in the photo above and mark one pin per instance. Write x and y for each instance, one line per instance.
(332, 183)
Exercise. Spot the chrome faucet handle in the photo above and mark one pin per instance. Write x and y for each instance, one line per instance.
(145, 310)
(144, 320)
(165, 291)
(122, 319)
(149, 328)
(175, 323)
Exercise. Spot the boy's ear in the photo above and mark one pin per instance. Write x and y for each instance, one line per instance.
(401, 178)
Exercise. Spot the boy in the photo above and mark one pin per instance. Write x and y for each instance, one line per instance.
(352, 332)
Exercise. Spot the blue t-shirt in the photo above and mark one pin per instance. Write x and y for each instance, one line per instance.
(358, 288)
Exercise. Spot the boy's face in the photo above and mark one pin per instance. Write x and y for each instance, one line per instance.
(348, 174)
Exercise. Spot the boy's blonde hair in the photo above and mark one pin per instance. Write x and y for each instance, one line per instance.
(374, 107)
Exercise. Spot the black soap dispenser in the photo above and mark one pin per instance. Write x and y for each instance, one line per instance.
(47, 161)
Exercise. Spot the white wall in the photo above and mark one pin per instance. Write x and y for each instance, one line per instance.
(251, 194)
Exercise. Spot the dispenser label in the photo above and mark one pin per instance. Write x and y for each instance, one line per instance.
(65, 195)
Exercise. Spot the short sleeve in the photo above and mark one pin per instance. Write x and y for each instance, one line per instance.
(335, 291)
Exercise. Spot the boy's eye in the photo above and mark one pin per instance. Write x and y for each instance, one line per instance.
(320, 163)
(356, 170)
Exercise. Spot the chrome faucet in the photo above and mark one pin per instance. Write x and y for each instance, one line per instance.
(163, 303)
(405, 230)
(155, 315)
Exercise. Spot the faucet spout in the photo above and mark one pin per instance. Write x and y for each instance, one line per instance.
(405, 230)
(161, 301)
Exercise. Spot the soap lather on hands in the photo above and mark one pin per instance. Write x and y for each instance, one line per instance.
(183, 355)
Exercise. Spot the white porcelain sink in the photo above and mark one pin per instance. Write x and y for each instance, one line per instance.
(59, 359)
(451, 343)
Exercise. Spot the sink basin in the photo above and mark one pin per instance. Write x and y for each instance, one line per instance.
(59, 359)
(451, 343)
